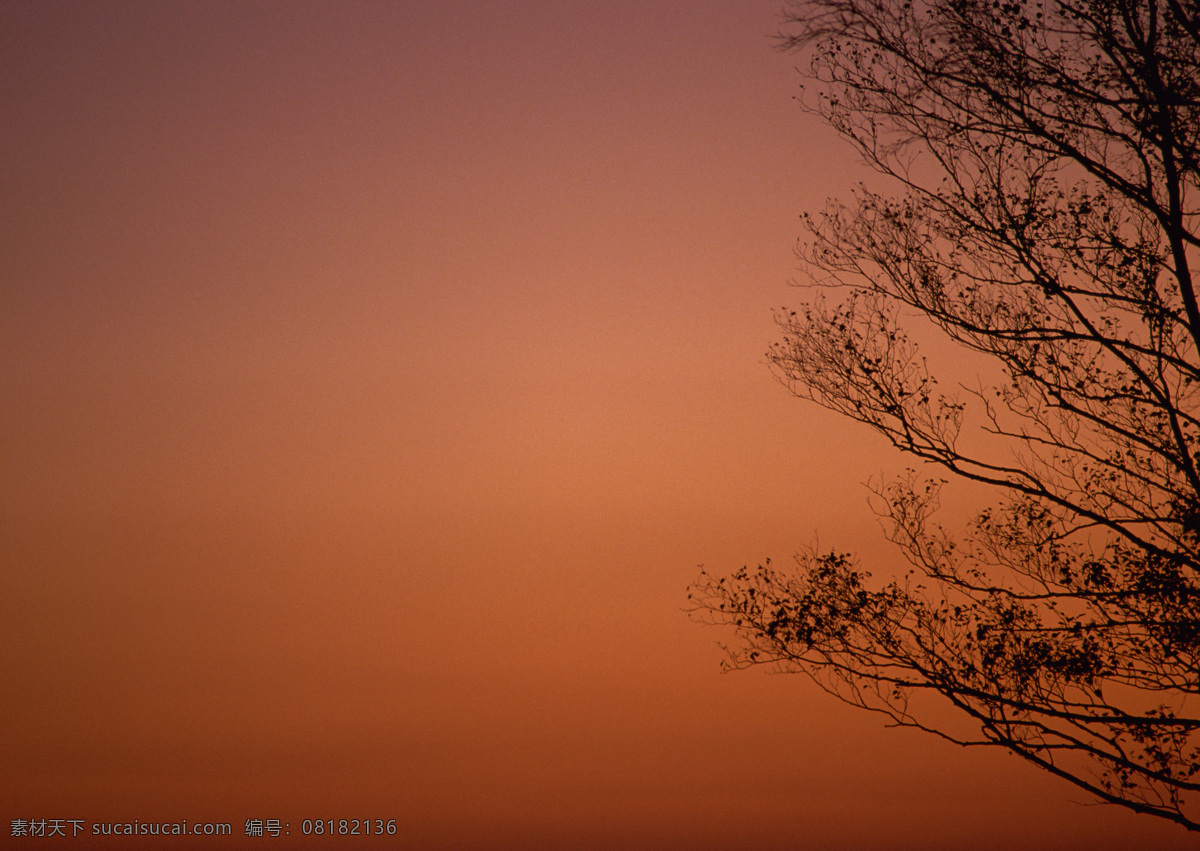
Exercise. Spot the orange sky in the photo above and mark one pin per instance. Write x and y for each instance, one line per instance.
(374, 377)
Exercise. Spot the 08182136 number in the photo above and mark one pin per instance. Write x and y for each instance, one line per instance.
(348, 827)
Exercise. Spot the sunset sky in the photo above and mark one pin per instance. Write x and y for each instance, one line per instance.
(374, 379)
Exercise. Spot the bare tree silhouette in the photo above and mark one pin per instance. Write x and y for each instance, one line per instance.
(1046, 157)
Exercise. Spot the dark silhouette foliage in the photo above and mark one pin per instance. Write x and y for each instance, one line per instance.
(1045, 159)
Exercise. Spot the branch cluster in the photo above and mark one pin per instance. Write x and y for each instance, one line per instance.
(1048, 218)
